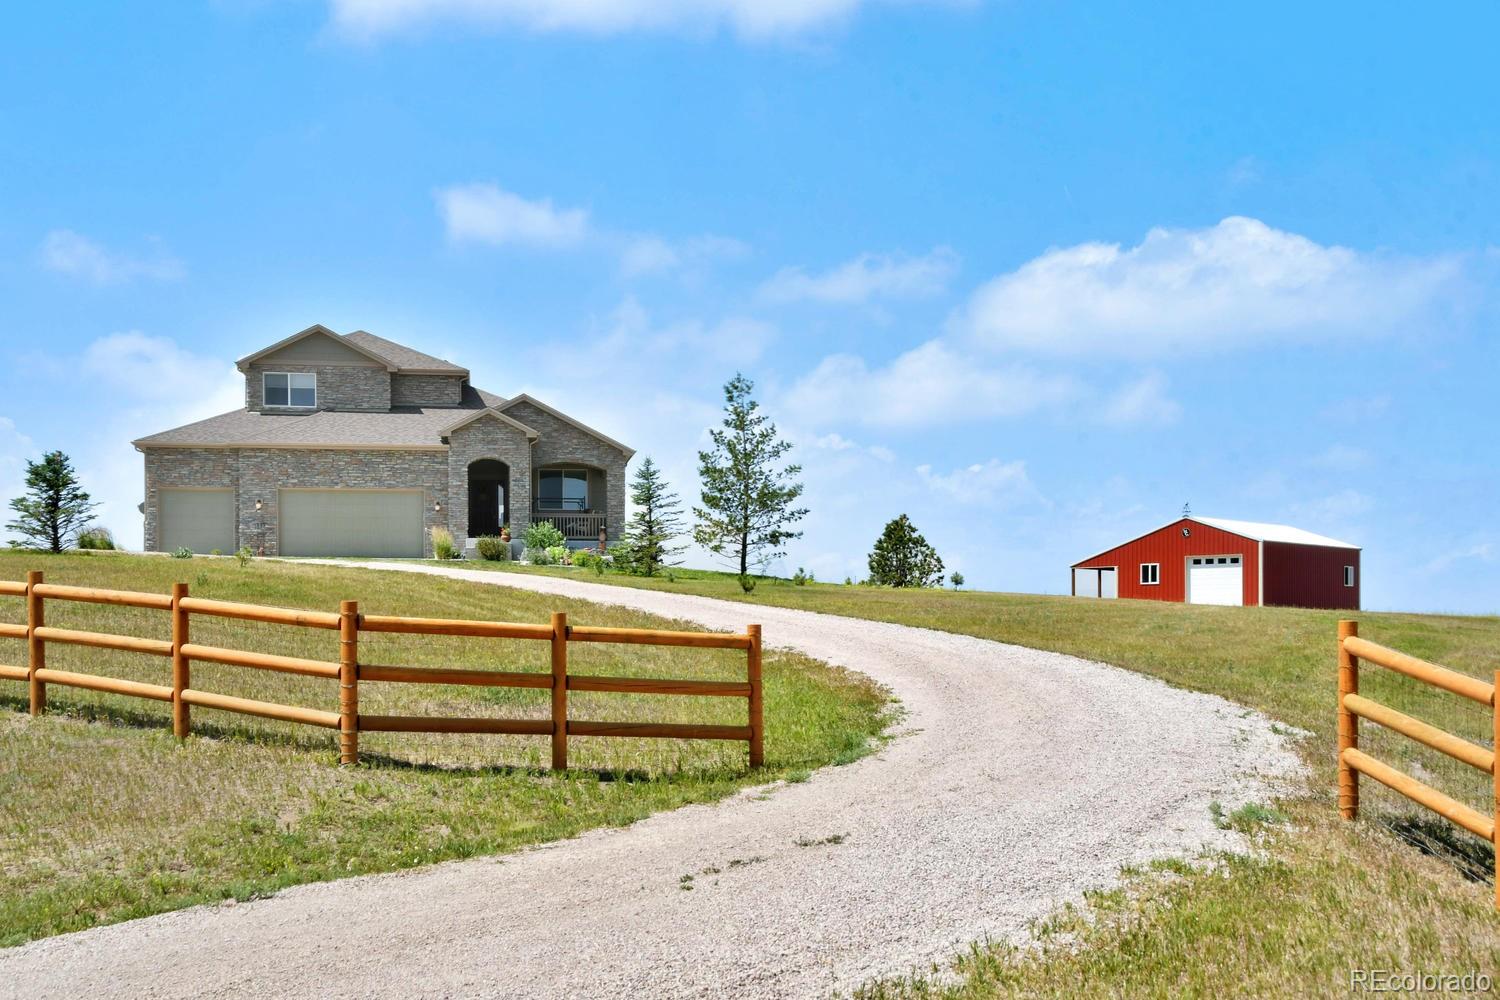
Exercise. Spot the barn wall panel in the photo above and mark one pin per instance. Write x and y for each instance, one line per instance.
(1311, 576)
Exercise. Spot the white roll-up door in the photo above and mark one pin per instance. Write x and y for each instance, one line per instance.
(200, 520)
(378, 523)
(1216, 580)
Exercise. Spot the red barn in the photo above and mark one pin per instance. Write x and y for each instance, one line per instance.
(1210, 560)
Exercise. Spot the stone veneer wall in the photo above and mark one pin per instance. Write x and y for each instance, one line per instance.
(340, 387)
(427, 390)
(257, 474)
(561, 442)
(488, 437)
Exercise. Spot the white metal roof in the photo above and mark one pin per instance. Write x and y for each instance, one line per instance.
(1273, 532)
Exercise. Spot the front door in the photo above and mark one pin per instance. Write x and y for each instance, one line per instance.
(484, 508)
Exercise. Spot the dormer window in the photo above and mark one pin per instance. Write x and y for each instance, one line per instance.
(291, 389)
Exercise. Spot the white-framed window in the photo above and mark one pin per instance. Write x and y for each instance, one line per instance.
(1217, 561)
(562, 489)
(1150, 573)
(1348, 576)
(293, 389)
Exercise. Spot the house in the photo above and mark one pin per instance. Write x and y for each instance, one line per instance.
(1211, 560)
(352, 445)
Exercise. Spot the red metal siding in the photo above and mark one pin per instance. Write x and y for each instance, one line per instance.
(1169, 548)
(1310, 576)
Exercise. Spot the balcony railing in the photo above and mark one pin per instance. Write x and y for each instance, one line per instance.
(576, 525)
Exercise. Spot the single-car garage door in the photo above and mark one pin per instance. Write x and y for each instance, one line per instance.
(201, 520)
(351, 523)
(1216, 580)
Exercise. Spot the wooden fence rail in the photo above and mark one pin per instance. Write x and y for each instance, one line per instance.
(1352, 706)
(347, 669)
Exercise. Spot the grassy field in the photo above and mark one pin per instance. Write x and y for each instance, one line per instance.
(1317, 898)
(104, 816)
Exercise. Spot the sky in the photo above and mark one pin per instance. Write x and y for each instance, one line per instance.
(1035, 274)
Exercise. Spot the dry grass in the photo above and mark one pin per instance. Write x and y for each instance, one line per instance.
(1400, 889)
(104, 816)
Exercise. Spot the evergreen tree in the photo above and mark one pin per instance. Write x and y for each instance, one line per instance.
(902, 557)
(748, 506)
(55, 508)
(647, 545)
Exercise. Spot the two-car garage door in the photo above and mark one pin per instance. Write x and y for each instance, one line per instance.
(313, 522)
(351, 523)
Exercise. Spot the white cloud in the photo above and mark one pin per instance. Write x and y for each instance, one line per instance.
(632, 338)
(1143, 401)
(751, 19)
(926, 386)
(992, 483)
(1240, 283)
(1483, 552)
(67, 252)
(646, 253)
(867, 277)
(485, 213)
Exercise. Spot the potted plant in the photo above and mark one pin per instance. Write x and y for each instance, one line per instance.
(505, 532)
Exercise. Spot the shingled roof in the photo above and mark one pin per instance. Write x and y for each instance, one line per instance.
(404, 358)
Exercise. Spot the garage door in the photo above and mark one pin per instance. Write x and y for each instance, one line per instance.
(1216, 580)
(201, 520)
(351, 523)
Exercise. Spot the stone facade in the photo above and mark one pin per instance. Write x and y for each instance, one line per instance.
(258, 474)
(340, 387)
(427, 390)
(561, 443)
(488, 437)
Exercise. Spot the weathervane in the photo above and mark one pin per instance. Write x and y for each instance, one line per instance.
(1187, 510)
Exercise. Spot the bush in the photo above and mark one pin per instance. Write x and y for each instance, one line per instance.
(492, 548)
(544, 535)
(97, 538)
(583, 558)
(538, 557)
(183, 553)
(747, 583)
(557, 555)
(802, 579)
(442, 544)
(216, 552)
(243, 555)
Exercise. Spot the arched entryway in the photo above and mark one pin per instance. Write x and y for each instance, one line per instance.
(489, 497)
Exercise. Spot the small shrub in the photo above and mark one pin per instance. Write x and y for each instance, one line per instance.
(492, 548)
(848, 581)
(747, 583)
(557, 555)
(802, 578)
(96, 537)
(442, 543)
(584, 558)
(216, 552)
(538, 557)
(243, 555)
(543, 535)
(183, 553)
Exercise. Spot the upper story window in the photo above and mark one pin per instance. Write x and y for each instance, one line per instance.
(1150, 573)
(299, 389)
(1348, 576)
(562, 489)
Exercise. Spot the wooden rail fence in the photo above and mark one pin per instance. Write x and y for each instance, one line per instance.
(1353, 761)
(350, 672)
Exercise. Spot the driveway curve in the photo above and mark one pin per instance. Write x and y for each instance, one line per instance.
(1020, 779)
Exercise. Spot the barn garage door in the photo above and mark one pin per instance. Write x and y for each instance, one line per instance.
(201, 520)
(351, 523)
(1216, 580)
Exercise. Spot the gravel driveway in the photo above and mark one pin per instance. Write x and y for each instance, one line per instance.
(1020, 779)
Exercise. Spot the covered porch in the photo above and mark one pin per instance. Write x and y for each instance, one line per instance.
(573, 497)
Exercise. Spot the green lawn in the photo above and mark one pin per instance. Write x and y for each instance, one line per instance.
(1317, 897)
(104, 816)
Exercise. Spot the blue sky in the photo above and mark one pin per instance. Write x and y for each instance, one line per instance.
(1034, 274)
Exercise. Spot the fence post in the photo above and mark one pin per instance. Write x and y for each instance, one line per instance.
(1348, 723)
(181, 718)
(349, 682)
(757, 704)
(1495, 783)
(36, 649)
(559, 690)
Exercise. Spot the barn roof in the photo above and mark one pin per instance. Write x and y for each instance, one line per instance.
(1263, 532)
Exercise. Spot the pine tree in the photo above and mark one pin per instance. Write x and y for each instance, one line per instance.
(748, 502)
(55, 508)
(902, 557)
(657, 520)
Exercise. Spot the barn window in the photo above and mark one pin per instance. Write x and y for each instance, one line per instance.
(1348, 576)
(1150, 573)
